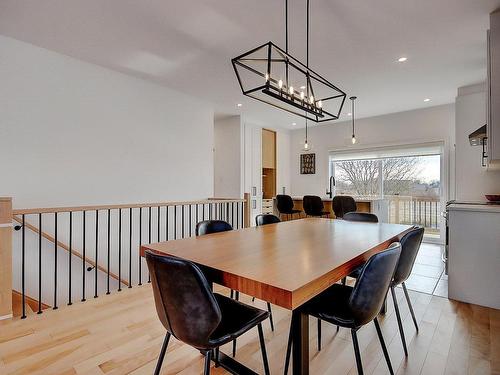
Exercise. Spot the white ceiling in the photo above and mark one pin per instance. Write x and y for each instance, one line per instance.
(187, 45)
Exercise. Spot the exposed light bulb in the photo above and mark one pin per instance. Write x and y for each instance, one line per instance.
(311, 99)
(306, 145)
(353, 140)
(280, 84)
(267, 77)
(320, 104)
(302, 95)
(290, 90)
(302, 87)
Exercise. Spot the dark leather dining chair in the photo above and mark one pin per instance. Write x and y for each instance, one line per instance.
(265, 219)
(313, 206)
(343, 204)
(212, 226)
(215, 226)
(410, 244)
(193, 314)
(361, 217)
(354, 307)
(284, 204)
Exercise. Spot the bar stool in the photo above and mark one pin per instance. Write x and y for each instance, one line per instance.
(284, 204)
(343, 204)
(313, 206)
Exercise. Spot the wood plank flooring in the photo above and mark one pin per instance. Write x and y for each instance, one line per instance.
(120, 334)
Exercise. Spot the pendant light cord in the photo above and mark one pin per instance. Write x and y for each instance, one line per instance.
(286, 26)
(307, 38)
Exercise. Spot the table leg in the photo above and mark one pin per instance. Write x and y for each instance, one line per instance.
(300, 339)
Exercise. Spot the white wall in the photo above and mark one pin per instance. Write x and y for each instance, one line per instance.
(228, 157)
(472, 181)
(75, 133)
(412, 127)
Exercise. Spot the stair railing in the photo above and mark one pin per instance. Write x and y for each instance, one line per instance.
(105, 241)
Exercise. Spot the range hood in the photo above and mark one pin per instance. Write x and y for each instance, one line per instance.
(478, 137)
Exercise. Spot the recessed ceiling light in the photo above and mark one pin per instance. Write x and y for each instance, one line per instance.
(294, 123)
(302, 87)
(349, 114)
(402, 59)
(239, 104)
(427, 100)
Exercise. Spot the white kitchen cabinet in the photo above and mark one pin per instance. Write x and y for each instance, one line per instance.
(474, 254)
(253, 168)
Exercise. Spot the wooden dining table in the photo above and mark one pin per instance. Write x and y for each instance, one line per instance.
(286, 264)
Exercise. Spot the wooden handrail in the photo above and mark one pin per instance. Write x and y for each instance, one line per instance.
(47, 210)
(62, 245)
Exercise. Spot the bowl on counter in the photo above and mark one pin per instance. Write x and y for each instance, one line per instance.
(493, 197)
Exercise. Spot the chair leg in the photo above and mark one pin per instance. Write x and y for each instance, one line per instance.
(270, 316)
(288, 351)
(232, 294)
(253, 299)
(234, 348)
(319, 334)
(400, 324)
(410, 306)
(217, 356)
(237, 296)
(208, 354)
(384, 348)
(356, 351)
(263, 349)
(162, 353)
(344, 280)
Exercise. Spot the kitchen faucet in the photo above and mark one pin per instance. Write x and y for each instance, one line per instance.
(332, 186)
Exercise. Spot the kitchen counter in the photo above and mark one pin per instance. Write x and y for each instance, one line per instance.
(479, 207)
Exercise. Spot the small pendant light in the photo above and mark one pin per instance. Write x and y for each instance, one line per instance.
(353, 139)
(306, 144)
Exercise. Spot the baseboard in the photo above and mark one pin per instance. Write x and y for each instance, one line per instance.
(6, 317)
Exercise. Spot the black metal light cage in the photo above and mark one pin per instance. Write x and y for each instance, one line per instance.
(273, 76)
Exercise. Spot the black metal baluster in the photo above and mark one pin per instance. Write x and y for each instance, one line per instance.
(55, 262)
(70, 253)
(140, 244)
(149, 239)
(232, 214)
(108, 266)
(237, 215)
(120, 250)
(190, 223)
(39, 263)
(182, 221)
(166, 223)
(23, 270)
(96, 251)
(158, 224)
(130, 248)
(175, 222)
(83, 254)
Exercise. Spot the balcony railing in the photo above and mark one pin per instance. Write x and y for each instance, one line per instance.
(424, 211)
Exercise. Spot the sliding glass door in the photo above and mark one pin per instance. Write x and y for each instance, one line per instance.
(408, 179)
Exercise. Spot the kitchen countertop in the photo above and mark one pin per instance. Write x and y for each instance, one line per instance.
(327, 198)
(482, 207)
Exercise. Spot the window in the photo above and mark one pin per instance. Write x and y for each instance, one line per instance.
(409, 178)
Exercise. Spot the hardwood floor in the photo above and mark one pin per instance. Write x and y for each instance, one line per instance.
(120, 334)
